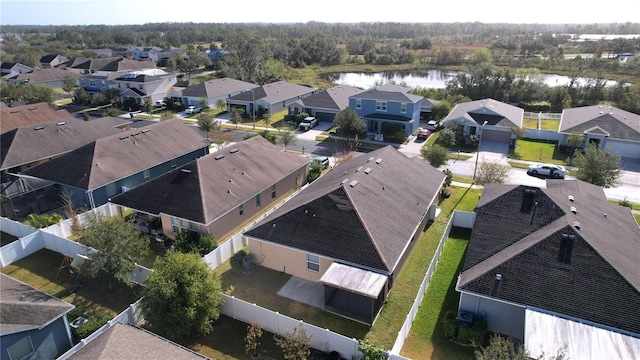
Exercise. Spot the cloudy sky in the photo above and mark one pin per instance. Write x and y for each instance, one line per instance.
(120, 12)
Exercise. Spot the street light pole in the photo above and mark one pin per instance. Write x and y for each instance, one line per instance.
(253, 107)
(475, 168)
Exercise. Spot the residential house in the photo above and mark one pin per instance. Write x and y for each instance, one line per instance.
(171, 52)
(426, 106)
(33, 324)
(107, 166)
(558, 255)
(216, 56)
(489, 119)
(145, 85)
(351, 230)
(272, 98)
(123, 341)
(11, 69)
(148, 53)
(31, 145)
(220, 192)
(102, 53)
(213, 90)
(325, 105)
(113, 64)
(51, 77)
(52, 61)
(14, 117)
(388, 109)
(603, 125)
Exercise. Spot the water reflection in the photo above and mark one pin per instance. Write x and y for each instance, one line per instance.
(435, 79)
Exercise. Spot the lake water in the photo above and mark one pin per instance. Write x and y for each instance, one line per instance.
(435, 79)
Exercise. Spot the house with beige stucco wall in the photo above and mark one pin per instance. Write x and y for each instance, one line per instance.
(351, 230)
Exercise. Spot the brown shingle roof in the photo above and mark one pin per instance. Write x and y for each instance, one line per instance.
(17, 116)
(210, 186)
(44, 75)
(117, 156)
(128, 342)
(364, 211)
(23, 307)
(46, 140)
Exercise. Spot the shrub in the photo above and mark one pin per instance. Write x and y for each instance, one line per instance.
(625, 202)
(96, 321)
(435, 154)
(449, 325)
(463, 333)
(191, 242)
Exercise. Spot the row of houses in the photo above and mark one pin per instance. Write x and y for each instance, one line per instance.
(560, 254)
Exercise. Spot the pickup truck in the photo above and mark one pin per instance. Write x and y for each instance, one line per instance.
(192, 110)
(308, 123)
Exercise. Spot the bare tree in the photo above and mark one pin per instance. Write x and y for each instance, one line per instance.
(492, 172)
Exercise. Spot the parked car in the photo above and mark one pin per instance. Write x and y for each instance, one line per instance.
(549, 170)
(192, 110)
(423, 133)
(433, 125)
(160, 103)
(308, 123)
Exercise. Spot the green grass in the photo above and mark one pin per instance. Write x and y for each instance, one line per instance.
(519, 165)
(426, 339)
(456, 156)
(633, 205)
(6, 238)
(40, 270)
(637, 216)
(546, 124)
(462, 179)
(538, 151)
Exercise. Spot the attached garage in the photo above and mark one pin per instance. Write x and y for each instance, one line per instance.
(630, 149)
(325, 116)
(496, 135)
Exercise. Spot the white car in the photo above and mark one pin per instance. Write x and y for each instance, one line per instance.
(308, 123)
(192, 110)
(433, 125)
(549, 170)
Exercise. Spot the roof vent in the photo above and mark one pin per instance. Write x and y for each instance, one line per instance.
(234, 150)
(571, 198)
(136, 134)
(218, 157)
(124, 137)
(38, 128)
(61, 123)
(378, 160)
(370, 159)
(353, 183)
(186, 171)
(574, 210)
(344, 181)
(367, 170)
(145, 130)
(576, 225)
(358, 169)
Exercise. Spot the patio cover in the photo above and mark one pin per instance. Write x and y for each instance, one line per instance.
(359, 281)
(548, 333)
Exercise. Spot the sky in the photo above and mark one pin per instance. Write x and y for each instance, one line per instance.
(131, 12)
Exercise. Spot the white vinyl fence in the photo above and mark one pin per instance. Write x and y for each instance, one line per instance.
(541, 115)
(537, 134)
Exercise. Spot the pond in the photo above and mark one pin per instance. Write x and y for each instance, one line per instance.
(435, 79)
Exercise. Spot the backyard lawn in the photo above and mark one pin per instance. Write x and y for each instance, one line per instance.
(539, 151)
(41, 270)
(545, 124)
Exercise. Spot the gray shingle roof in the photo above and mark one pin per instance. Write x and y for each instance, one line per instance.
(275, 92)
(363, 212)
(522, 243)
(117, 156)
(127, 342)
(206, 188)
(33, 311)
(601, 119)
(46, 140)
(217, 88)
(388, 92)
(44, 75)
(335, 98)
(492, 111)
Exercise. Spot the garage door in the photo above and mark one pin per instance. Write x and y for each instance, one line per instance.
(325, 116)
(624, 148)
(496, 135)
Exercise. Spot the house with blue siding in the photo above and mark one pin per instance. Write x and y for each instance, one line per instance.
(33, 324)
(325, 105)
(114, 164)
(388, 110)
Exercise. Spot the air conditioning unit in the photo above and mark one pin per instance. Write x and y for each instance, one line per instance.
(465, 317)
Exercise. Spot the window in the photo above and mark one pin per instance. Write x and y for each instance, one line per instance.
(258, 204)
(403, 107)
(118, 85)
(111, 189)
(140, 86)
(241, 209)
(381, 105)
(179, 225)
(273, 192)
(358, 103)
(128, 86)
(20, 349)
(92, 83)
(146, 174)
(313, 262)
